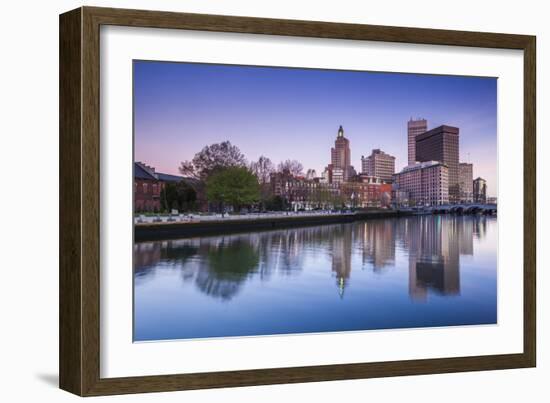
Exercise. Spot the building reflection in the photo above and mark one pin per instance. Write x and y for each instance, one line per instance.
(435, 247)
(220, 266)
(377, 242)
(340, 248)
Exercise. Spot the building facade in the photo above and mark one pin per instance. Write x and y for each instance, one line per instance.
(147, 189)
(378, 164)
(442, 144)
(414, 128)
(337, 175)
(340, 156)
(148, 186)
(465, 182)
(367, 191)
(301, 193)
(425, 183)
(480, 190)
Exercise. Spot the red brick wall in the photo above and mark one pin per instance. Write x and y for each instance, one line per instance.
(147, 195)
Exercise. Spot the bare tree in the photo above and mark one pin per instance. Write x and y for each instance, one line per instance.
(211, 158)
(294, 167)
(263, 168)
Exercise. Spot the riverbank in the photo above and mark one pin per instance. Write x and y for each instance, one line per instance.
(172, 230)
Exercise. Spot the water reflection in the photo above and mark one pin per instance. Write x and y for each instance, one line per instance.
(222, 267)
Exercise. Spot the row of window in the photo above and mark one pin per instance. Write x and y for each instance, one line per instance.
(155, 188)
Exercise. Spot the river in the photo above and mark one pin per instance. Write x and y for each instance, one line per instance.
(406, 272)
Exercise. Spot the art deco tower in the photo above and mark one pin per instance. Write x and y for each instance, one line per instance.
(340, 158)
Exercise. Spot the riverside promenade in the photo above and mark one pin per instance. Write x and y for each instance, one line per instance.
(178, 226)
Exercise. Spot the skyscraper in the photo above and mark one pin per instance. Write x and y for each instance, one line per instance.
(480, 190)
(378, 164)
(441, 144)
(465, 182)
(414, 128)
(340, 155)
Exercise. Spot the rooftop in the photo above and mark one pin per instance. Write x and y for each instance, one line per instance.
(437, 130)
(421, 165)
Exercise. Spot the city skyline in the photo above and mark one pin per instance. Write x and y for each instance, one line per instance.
(301, 109)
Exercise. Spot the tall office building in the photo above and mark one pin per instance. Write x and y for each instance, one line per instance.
(480, 190)
(378, 164)
(465, 182)
(441, 144)
(340, 156)
(414, 128)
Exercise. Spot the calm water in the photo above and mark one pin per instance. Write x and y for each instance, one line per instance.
(391, 273)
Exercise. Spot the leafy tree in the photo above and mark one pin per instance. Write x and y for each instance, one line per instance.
(235, 186)
(277, 203)
(294, 167)
(212, 158)
(179, 196)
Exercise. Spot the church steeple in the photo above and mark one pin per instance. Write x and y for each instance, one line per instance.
(340, 131)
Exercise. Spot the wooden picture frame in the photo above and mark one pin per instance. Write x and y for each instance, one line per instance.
(79, 346)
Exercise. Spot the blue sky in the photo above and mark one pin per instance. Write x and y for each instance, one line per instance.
(285, 113)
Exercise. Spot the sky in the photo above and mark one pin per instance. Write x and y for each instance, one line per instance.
(292, 113)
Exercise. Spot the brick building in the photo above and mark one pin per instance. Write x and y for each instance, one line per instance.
(426, 183)
(301, 193)
(148, 185)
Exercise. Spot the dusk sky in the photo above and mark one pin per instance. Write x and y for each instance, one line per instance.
(285, 113)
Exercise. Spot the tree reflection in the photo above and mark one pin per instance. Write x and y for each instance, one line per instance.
(220, 266)
(226, 267)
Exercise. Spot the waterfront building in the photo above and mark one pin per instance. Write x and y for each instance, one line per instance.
(340, 156)
(441, 144)
(147, 188)
(366, 191)
(378, 164)
(426, 183)
(465, 182)
(301, 193)
(480, 190)
(148, 185)
(492, 200)
(414, 128)
(399, 198)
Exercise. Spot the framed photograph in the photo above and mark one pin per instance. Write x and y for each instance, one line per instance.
(250, 201)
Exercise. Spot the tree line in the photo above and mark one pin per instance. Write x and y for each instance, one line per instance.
(227, 180)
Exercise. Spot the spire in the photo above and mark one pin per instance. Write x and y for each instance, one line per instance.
(340, 131)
